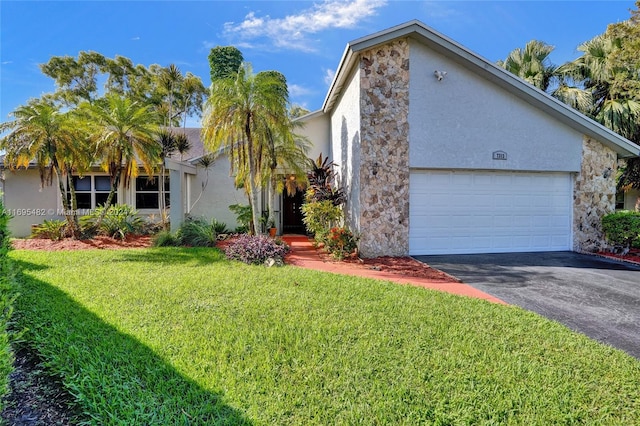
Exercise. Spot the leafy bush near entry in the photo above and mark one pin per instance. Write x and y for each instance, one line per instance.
(340, 242)
(7, 297)
(118, 222)
(320, 217)
(256, 249)
(243, 216)
(51, 230)
(622, 228)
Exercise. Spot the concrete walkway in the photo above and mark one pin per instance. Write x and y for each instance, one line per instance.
(304, 255)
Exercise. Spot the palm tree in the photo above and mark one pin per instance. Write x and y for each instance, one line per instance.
(41, 133)
(124, 134)
(242, 113)
(531, 64)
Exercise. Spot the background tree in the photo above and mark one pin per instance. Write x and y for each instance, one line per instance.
(224, 62)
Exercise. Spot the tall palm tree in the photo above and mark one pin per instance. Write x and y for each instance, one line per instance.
(241, 113)
(124, 134)
(41, 133)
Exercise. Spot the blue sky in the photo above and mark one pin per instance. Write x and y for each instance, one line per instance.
(304, 40)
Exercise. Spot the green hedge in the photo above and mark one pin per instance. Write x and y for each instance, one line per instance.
(7, 288)
(622, 228)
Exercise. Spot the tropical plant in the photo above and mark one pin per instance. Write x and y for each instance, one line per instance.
(116, 221)
(531, 64)
(165, 238)
(124, 134)
(321, 182)
(42, 134)
(256, 250)
(224, 62)
(197, 232)
(53, 229)
(243, 213)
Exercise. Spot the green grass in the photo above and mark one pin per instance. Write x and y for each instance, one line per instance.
(181, 336)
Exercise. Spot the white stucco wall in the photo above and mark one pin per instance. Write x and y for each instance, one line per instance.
(27, 202)
(460, 121)
(316, 128)
(345, 146)
(218, 194)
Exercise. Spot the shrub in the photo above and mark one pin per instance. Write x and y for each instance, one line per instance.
(118, 222)
(165, 239)
(243, 215)
(50, 229)
(256, 249)
(219, 227)
(196, 232)
(320, 216)
(340, 242)
(7, 297)
(622, 228)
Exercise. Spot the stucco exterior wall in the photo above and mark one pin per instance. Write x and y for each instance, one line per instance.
(316, 127)
(594, 195)
(27, 202)
(218, 194)
(345, 147)
(460, 121)
(384, 175)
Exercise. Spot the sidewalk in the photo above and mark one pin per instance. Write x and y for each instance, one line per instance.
(304, 255)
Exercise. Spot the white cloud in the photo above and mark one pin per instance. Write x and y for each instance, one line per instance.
(329, 74)
(292, 31)
(297, 90)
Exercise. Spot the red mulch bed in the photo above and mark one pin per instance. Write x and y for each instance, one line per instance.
(131, 241)
(632, 256)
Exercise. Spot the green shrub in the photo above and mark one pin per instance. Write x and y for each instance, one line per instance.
(622, 228)
(340, 242)
(51, 230)
(165, 239)
(118, 222)
(219, 227)
(7, 297)
(320, 217)
(196, 232)
(243, 215)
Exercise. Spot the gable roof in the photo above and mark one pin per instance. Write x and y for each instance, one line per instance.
(516, 86)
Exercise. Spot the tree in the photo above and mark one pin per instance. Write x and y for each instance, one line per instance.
(224, 62)
(532, 64)
(50, 138)
(243, 113)
(124, 133)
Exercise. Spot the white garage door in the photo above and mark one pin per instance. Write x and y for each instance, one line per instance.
(489, 212)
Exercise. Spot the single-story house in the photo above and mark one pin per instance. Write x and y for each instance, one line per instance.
(439, 151)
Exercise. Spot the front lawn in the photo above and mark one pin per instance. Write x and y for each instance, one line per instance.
(183, 336)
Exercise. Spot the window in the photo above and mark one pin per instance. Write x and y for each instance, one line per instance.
(148, 192)
(619, 200)
(92, 191)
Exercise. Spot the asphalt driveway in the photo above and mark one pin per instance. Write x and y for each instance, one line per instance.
(592, 295)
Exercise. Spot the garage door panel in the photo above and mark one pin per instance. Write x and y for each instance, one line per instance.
(503, 211)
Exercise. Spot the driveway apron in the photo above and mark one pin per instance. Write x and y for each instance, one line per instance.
(589, 294)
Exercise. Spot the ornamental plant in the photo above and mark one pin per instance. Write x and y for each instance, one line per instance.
(340, 242)
(622, 228)
(320, 216)
(257, 249)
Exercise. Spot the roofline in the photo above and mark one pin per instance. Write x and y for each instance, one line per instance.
(485, 68)
(309, 115)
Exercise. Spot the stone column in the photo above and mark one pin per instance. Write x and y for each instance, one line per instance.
(594, 195)
(384, 171)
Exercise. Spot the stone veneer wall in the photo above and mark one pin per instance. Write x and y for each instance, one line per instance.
(593, 195)
(384, 106)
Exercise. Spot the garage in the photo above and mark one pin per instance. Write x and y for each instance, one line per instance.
(473, 211)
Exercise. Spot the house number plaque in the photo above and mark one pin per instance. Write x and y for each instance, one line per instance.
(499, 155)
